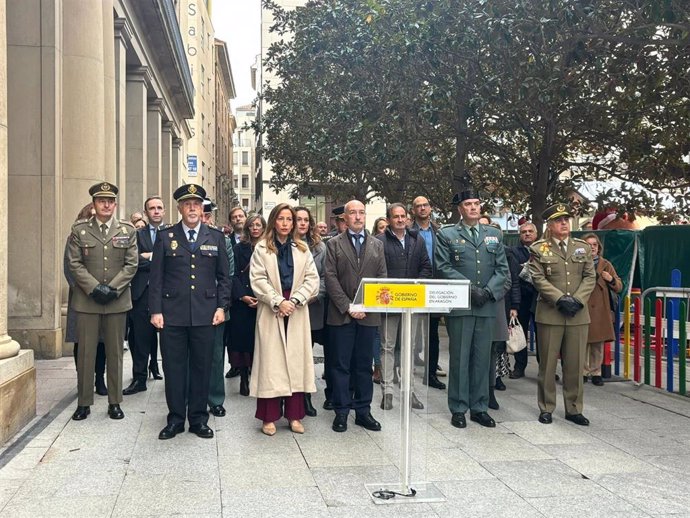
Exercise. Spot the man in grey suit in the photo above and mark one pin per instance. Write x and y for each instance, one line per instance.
(102, 258)
(350, 257)
(474, 252)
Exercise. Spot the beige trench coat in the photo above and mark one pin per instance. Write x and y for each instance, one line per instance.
(283, 362)
(601, 326)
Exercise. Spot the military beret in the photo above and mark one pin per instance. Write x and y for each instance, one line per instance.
(103, 190)
(467, 194)
(189, 191)
(556, 211)
(209, 206)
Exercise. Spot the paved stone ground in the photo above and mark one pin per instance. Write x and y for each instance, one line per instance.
(634, 460)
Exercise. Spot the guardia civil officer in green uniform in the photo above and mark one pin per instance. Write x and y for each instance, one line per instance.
(102, 257)
(473, 252)
(563, 274)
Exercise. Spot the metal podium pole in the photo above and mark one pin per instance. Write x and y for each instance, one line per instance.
(405, 382)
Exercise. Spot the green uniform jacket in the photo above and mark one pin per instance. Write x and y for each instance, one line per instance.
(95, 260)
(483, 263)
(555, 275)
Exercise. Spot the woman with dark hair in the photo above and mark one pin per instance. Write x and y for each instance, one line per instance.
(285, 280)
(600, 310)
(307, 231)
(380, 225)
(243, 308)
(71, 327)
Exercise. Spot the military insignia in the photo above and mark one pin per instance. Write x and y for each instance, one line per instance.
(105, 187)
(173, 244)
(124, 230)
(560, 208)
(491, 240)
(544, 248)
(580, 251)
(548, 270)
(212, 248)
(86, 251)
(191, 189)
(462, 241)
(83, 232)
(170, 234)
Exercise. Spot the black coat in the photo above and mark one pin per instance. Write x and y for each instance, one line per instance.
(411, 262)
(141, 278)
(242, 317)
(513, 297)
(188, 286)
(521, 255)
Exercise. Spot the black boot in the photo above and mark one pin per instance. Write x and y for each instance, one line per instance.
(493, 404)
(244, 381)
(101, 389)
(308, 407)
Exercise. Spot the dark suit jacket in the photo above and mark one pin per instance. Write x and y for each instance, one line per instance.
(344, 271)
(141, 279)
(188, 286)
(411, 262)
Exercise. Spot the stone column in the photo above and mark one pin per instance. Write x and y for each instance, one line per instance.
(109, 172)
(122, 35)
(136, 152)
(166, 165)
(17, 372)
(153, 147)
(175, 175)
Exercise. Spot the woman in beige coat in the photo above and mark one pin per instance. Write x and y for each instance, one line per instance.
(601, 325)
(284, 279)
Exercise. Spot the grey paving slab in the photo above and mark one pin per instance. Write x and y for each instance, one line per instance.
(653, 493)
(68, 506)
(540, 478)
(297, 503)
(383, 511)
(637, 442)
(343, 486)
(352, 448)
(265, 470)
(595, 504)
(559, 432)
(677, 463)
(487, 445)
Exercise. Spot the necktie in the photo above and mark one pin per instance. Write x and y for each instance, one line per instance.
(561, 244)
(358, 243)
(154, 231)
(475, 234)
(191, 237)
(104, 230)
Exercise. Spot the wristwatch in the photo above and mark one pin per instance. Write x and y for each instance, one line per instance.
(295, 301)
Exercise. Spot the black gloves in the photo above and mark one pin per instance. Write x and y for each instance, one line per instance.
(479, 296)
(103, 294)
(568, 305)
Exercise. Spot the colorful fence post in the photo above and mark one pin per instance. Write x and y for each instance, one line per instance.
(626, 337)
(659, 339)
(617, 342)
(647, 343)
(638, 340)
(669, 345)
(674, 312)
(682, 349)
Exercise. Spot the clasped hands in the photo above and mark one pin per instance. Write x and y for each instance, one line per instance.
(479, 296)
(569, 305)
(286, 308)
(103, 294)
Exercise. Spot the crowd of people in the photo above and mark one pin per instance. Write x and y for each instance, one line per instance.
(264, 292)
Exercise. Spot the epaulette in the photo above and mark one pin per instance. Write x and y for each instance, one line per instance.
(448, 225)
(80, 222)
(580, 240)
(217, 229)
(126, 222)
(164, 226)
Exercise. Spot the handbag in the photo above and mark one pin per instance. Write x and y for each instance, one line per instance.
(516, 337)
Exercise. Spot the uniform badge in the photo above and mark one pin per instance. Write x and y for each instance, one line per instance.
(491, 240)
(580, 251)
(173, 244)
(124, 230)
(544, 248)
(83, 232)
(548, 270)
(170, 234)
(462, 241)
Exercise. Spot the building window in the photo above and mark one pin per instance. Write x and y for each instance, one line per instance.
(245, 157)
(235, 182)
(245, 181)
(234, 158)
(245, 203)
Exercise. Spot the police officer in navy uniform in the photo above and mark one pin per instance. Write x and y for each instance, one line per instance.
(473, 252)
(102, 258)
(189, 289)
(563, 273)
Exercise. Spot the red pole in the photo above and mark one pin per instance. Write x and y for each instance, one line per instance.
(659, 345)
(638, 339)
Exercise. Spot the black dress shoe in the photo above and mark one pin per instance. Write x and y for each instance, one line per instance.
(328, 405)
(134, 387)
(499, 384)
(458, 420)
(154, 372)
(115, 412)
(387, 402)
(597, 381)
(516, 374)
(233, 372)
(101, 389)
(584, 379)
(483, 419)
(493, 404)
(434, 382)
(170, 431)
(545, 418)
(201, 430)
(308, 406)
(218, 410)
(340, 423)
(81, 413)
(416, 403)
(578, 419)
(367, 421)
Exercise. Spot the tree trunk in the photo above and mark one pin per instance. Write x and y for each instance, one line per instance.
(540, 175)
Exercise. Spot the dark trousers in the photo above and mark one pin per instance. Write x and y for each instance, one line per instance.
(187, 354)
(269, 409)
(328, 362)
(432, 359)
(216, 390)
(143, 338)
(524, 316)
(352, 349)
(100, 358)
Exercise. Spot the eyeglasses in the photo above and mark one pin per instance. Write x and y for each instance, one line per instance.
(422, 205)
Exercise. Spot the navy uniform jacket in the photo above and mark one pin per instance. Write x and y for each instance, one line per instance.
(141, 279)
(483, 262)
(187, 287)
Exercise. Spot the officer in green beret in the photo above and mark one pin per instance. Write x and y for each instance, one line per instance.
(474, 252)
(563, 274)
(102, 257)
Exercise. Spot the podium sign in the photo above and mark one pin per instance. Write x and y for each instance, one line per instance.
(406, 297)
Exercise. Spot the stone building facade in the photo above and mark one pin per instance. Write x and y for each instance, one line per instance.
(225, 126)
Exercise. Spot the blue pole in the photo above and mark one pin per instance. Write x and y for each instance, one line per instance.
(669, 346)
(675, 283)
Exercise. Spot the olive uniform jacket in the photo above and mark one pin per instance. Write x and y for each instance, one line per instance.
(555, 275)
(93, 259)
(482, 262)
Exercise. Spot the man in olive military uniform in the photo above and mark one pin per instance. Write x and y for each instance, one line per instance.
(563, 274)
(102, 257)
(473, 252)
(189, 289)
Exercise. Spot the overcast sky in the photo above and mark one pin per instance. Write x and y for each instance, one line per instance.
(238, 23)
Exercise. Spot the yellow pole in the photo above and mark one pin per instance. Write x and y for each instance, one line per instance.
(626, 337)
